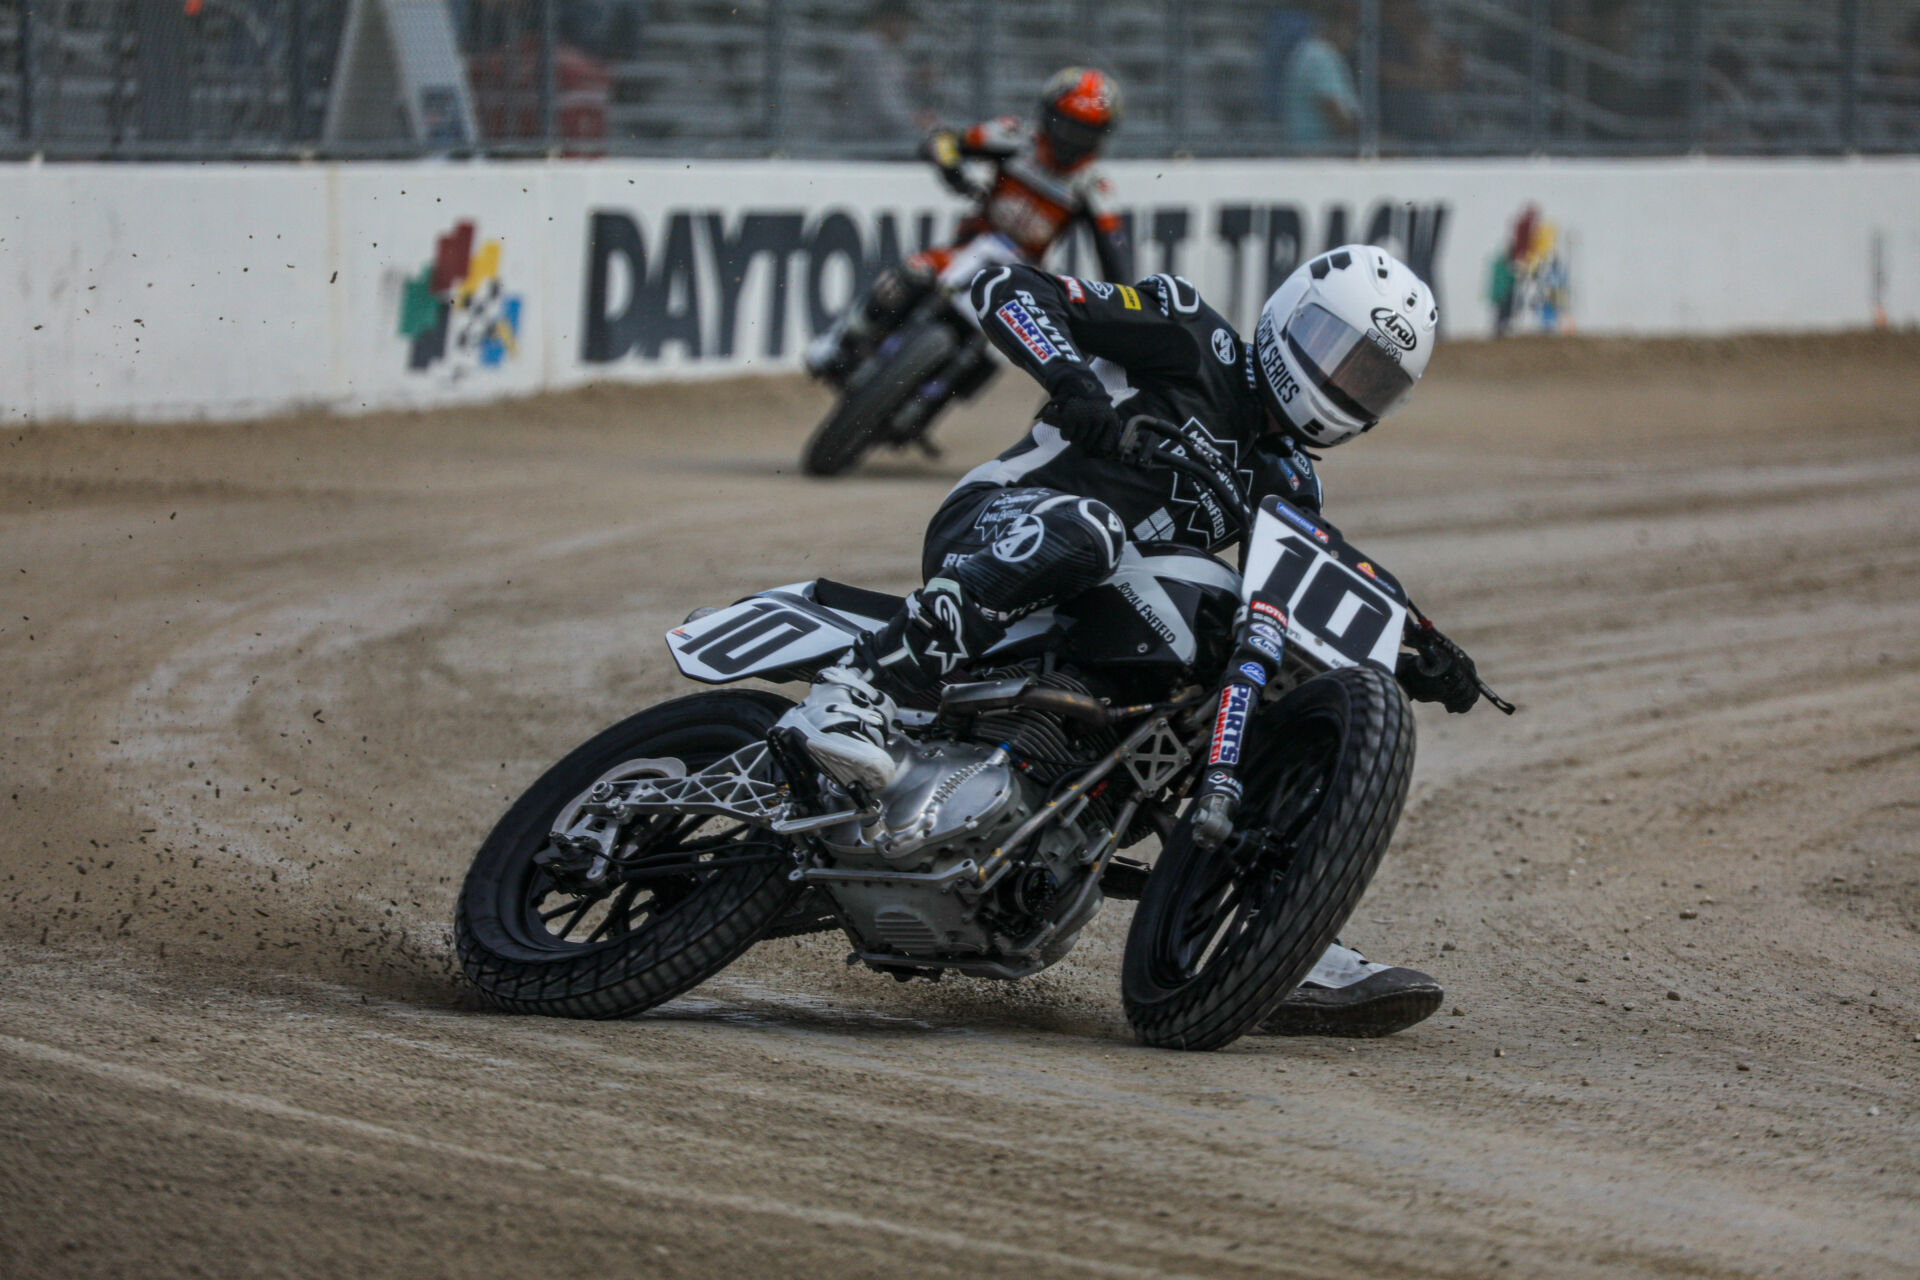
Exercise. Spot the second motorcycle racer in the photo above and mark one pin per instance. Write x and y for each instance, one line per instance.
(907, 349)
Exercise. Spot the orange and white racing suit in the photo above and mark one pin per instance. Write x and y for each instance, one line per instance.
(1026, 206)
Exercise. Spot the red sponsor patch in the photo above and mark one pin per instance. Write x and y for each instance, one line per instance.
(1074, 290)
(1261, 606)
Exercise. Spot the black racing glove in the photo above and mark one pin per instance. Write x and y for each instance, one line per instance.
(1439, 671)
(1083, 411)
(942, 150)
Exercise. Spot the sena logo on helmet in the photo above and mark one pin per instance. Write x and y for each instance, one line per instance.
(1396, 326)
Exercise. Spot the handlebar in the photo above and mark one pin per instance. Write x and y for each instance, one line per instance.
(1421, 624)
(1136, 447)
(1197, 464)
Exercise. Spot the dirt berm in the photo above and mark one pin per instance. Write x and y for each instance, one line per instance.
(268, 684)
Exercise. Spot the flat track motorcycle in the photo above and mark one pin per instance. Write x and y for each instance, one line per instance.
(1251, 720)
(900, 356)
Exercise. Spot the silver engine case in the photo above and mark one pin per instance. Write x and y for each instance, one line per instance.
(950, 804)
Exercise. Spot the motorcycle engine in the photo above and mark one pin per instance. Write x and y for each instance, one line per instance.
(956, 800)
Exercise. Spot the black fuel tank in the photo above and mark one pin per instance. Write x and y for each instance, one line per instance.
(1166, 612)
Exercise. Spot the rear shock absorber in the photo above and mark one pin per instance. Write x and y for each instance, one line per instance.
(1259, 642)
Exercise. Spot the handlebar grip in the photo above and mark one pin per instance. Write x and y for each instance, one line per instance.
(1135, 444)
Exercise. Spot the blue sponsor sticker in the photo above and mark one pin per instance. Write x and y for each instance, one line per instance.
(1295, 519)
(1254, 672)
(1266, 645)
(1022, 325)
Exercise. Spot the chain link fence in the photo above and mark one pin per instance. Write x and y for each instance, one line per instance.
(867, 78)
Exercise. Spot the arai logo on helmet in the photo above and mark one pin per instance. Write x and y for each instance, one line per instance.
(1396, 327)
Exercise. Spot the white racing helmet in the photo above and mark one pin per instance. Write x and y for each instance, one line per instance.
(1342, 343)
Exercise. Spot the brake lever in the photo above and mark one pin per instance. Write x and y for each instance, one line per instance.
(1425, 624)
(1133, 448)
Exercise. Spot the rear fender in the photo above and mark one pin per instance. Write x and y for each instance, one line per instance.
(766, 636)
(771, 635)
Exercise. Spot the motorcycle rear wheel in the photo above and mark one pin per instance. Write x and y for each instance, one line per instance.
(529, 945)
(864, 415)
(1220, 936)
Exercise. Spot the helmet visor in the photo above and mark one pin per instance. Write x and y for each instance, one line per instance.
(1354, 371)
(1072, 140)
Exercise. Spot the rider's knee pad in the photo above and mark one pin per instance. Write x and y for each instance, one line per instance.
(1053, 552)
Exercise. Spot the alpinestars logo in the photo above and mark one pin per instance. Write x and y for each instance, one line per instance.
(1021, 540)
(457, 308)
(946, 619)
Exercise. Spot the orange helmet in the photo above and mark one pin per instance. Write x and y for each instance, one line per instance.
(1078, 109)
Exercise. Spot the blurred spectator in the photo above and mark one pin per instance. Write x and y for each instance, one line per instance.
(1901, 60)
(504, 40)
(1318, 103)
(878, 83)
(1610, 25)
(1285, 30)
(1417, 69)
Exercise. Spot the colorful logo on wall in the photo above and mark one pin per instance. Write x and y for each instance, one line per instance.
(456, 309)
(1529, 283)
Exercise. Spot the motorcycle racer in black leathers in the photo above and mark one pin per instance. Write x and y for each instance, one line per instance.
(1338, 347)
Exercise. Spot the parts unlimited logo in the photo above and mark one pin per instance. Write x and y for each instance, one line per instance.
(457, 309)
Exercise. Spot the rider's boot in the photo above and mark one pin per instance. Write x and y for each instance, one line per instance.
(829, 356)
(845, 724)
(833, 355)
(1347, 994)
(940, 631)
(846, 721)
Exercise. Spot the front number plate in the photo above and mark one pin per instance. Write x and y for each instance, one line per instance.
(1334, 612)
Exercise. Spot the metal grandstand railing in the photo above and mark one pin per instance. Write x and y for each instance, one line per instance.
(172, 78)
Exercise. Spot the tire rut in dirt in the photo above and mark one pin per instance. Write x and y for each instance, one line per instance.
(844, 436)
(1350, 731)
(692, 929)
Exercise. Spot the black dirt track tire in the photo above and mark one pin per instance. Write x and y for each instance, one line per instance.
(1354, 728)
(859, 421)
(699, 934)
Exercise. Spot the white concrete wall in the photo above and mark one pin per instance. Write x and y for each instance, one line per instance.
(180, 291)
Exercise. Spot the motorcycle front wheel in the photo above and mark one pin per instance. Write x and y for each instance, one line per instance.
(690, 895)
(1222, 935)
(865, 413)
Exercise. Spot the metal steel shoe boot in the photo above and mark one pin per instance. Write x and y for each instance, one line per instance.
(1349, 995)
(844, 723)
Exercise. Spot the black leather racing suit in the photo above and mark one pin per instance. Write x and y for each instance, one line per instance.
(1045, 521)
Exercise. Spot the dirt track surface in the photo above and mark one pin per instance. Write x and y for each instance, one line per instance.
(268, 685)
